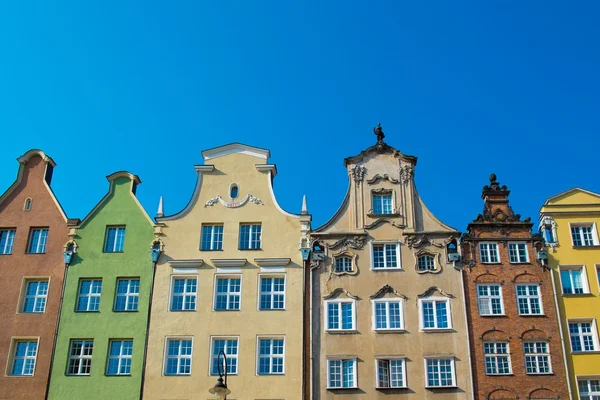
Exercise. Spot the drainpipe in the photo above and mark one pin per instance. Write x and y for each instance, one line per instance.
(155, 253)
(562, 337)
(464, 307)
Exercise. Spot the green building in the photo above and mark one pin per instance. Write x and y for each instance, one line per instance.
(102, 332)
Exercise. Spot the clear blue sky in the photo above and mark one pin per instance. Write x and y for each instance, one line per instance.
(510, 87)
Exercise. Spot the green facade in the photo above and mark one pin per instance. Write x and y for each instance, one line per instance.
(118, 208)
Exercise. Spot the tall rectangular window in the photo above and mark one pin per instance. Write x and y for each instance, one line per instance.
(250, 236)
(80, 357)
(339, 315)
(231, 349)
(271, 356)
(382, 204)
(38, 237)
(573, 280)
(89, 295)
(388, 314)
(583, 235)
(489, 298)
(7, 240)
(529, 299)
(385, 256)
(127, 296)
(589, 389)
(341, 374)
(583, 336)
(23, 358)
(115, 239)
(272, 293)
(227, 293)
(183, 294)
(36, 293)
(119, 357)
(179, 357)
(517, 252)
(435, 314)
(440, 372)
(537, 358)
(212, 237)
(391, 373)
(497, 358)
(488, 253)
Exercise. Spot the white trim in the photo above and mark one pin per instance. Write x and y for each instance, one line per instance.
(119, 357)
(594, 229)
(584, 378)
(185, 270)
(536, 355)
(227, 276)
(398, 255)
(529, 296)
(452, 367)
(235, 148)
(11, 355)
(388, 359)
(391, 193)
(270, 337)
(166, 350)
(259, 290)
(498, 260)
(398, 300)
(496, 356)
(80, 357)
(490, 297)
(228, 262)
(517, 243)
(270, 176)
(339, 302)
(354, 370)
(171, 293)
(272, 262)
(23, 293)
(210, 354)
(584, 280)
(422, 315)
(200, 169)
(594, 333)
(269, 270)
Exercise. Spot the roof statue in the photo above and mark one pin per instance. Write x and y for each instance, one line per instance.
(379, 133)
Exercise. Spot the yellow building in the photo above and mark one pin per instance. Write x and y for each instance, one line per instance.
(569, 222)
(230, 278)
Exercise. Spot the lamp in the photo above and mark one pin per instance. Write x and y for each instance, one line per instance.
(220, 389)
(155, 252)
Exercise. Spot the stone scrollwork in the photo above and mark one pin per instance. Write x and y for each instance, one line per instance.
(356, 242)
(385, 290)
(432, 290)
(406, 174)
(416, 241)
(358, 173)
(379, 177)
(337, 291)
(233, 204)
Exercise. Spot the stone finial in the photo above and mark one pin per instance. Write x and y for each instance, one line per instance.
(379, 133)
(304, 206)
(160, 211)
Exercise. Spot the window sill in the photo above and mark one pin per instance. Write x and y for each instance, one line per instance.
(30, 254)
(249, 249)
(578, 295)
(342, 332)
(6, 254)
(539, 373)
(532, 315)
(182, 310)
(342, 388)
(384, 215)
(19, 376)
(126, 311)
(400, 330)
(520, 263)
(179, 375)
(492, 315)
(595, 246)
(77, 375)
(31, 312)
(113, 252)
(511, 374)
(118, 375)
(212, 250)
(585, 352)
(441, 387)
(437, 330)
(87, 312)
(386, 269)
(391, 387)
(491, 263)
(274, 374)
(271, 309)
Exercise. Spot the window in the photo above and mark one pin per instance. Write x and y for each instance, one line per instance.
(573, 280)
(227, 293)
(38, 237)
(425, 263)
(183, 295)
(435, 314)
(529, 299)
(341, 374)
(583, 336)
(272, 293)
(115, 239)
(80, 357)
(440, 372)
(212, 237)
(584, 235)
(382, 204)
(340, 315)
(229, 346)
(589, 389)
(36, 293)
(128, 292)
(497, 358)
(391, 373)
(233, 191)
(388, 314)
(179, 357)
(386, 256)
(537, 358)
(271, 354)
(23, 357)
(89, 295)
(119, 357)
(517, 253)
(7, 240)
(488, 252)
(490, 299)
(343, 264)
(250, 236)
(27, 205)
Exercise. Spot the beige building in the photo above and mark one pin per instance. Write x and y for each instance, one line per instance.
(230, 278)
(387, 310)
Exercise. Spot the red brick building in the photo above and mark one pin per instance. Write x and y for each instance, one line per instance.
(516, 346)
(33, 231)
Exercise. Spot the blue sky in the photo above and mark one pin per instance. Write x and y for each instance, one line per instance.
(470, 88)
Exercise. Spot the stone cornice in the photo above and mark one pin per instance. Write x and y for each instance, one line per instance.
(189, 263)
(228, 262)
(272, 262)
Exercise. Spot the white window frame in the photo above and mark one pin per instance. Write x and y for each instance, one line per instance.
(584, 280)
(381, 195)
(590, 394)
(252, 226)
(89, 295)
(518, 260)
(128, 295)
(271, 355)
(13, 350)
(339, 302)
(42, 242)
(340, 258)
(488, 253)
(113, 247)
(37, 297)
(354, 373)
(435, 300)
(227, 276)
(529, 297)
(536, 356)
(496, 357)
(119, 357)
(426, 257)
(213, 242)
(594, 232)
(385, 268)
(388, 360)
(580, 334)
(387, 302)
(10, 240)
(175, 277)
(271, 292)
(179, 356)
(490, 297)
(80, 357)
(229, 356)
(452, 366)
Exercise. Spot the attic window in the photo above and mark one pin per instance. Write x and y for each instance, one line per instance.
(27, 206)
(233, 191)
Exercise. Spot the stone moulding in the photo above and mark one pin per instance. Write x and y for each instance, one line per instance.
(345, 253)
(186, 263)
(337, 291)
(356, 242)
(379, 177)
(385, 290)
(383, 220)
(272, 262)
(434, 289)
(228, 262)
(232, 204)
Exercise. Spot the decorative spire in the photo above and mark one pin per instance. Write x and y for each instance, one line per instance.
(379, 133)
(160, 212)
(304, 207)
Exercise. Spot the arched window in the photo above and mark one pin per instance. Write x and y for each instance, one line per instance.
(343, 264)
(27, 206)
(233, 191)
(426, 263)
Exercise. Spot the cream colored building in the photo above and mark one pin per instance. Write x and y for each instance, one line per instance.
(387, 304)
(230, 278)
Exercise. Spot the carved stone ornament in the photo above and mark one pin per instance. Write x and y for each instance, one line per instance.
(406, 174)
(337, 291)
(233, 204)
(382, 220)
(356, 242)
(416, 241)
(352, 256)
(437, 262)
(358, 173)
(378, 177)
(385, 290)
(432, 290)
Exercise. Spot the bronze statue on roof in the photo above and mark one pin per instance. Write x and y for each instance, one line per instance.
(379, 133)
